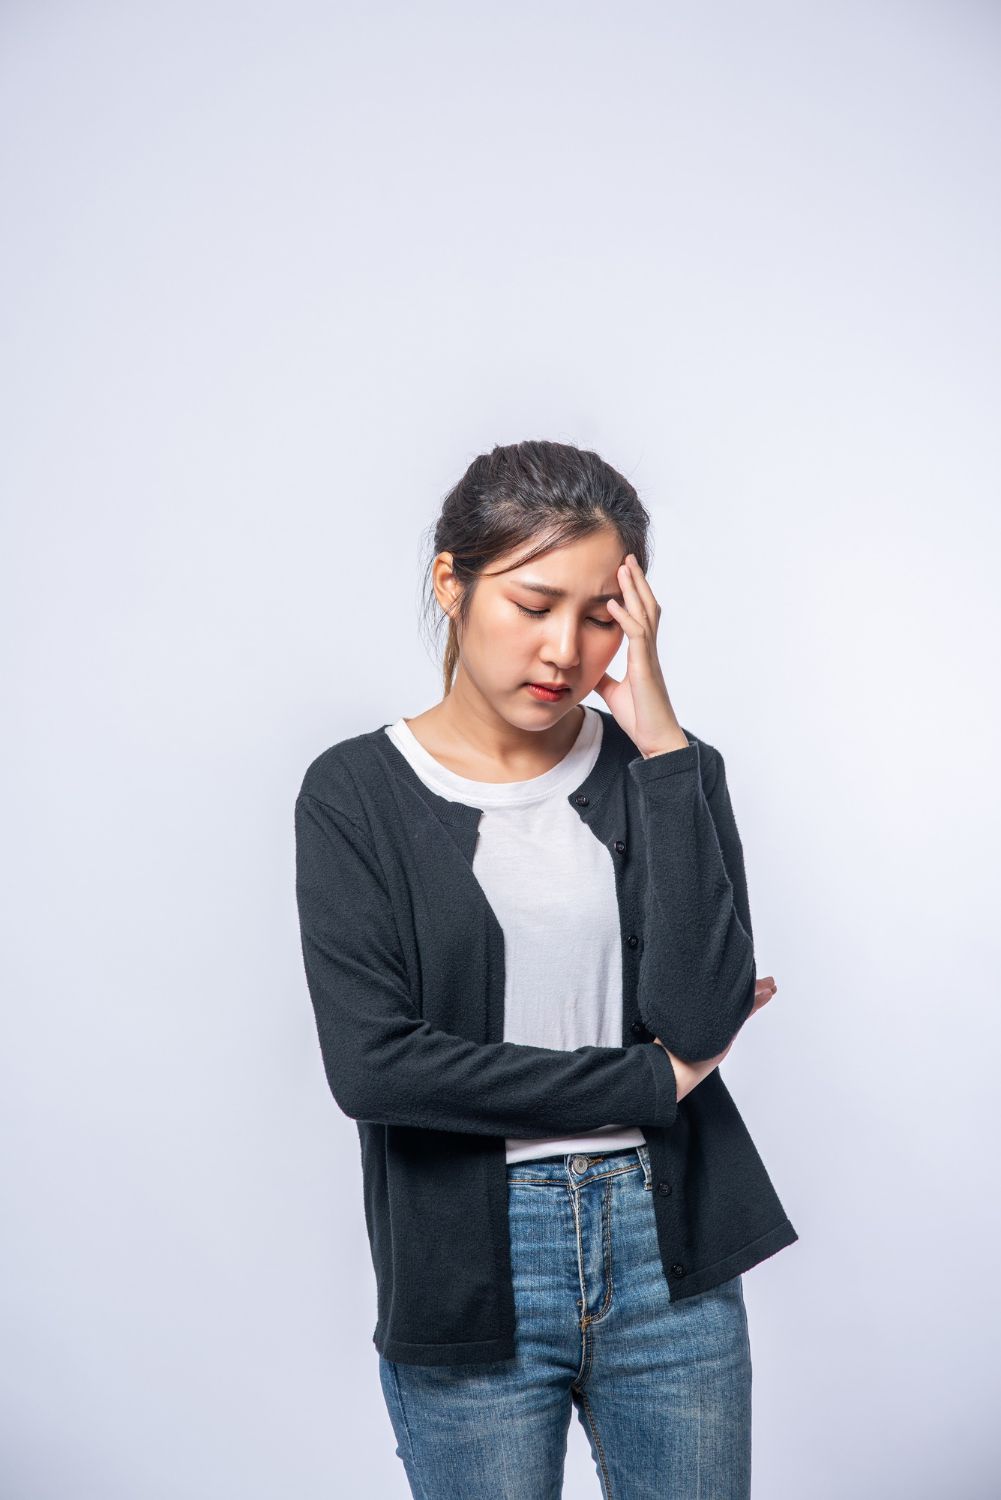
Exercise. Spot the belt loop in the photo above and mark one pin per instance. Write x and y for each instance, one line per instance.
(643, 1152)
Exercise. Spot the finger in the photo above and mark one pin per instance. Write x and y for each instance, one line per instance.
(643, 588)
(631, 624)
(631, 594)
(633, 618)
(764, 989)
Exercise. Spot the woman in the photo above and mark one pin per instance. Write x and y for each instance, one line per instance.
(528, 946)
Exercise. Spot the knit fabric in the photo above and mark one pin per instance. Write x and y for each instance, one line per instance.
(404, 963)
(552, 888)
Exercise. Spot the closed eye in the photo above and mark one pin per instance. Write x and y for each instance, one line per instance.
(537, 614)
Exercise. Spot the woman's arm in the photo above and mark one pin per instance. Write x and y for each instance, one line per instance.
(688, 1075)
(697, 970)
(384, 1063)
(696, 986)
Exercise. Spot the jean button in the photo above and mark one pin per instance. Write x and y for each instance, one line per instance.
(579, 1164)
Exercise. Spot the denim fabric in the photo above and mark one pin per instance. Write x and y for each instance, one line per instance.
(662, 1388)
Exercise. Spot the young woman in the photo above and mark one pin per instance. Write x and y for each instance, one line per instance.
(528, 945)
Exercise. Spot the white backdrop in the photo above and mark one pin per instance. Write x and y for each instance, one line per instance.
(272, 275)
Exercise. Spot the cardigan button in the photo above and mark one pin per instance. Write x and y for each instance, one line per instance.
(677, 1269)
(664, 1187)
(638, 1029)
(632, 940)
(619, 847)
(581, 800)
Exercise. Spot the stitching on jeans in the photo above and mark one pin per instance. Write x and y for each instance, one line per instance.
(406, 1428)
(606, 1245)
(575, 1209)
(603, 1474)
(556, 1182)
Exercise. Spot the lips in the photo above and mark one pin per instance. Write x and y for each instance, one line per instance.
(548, 692)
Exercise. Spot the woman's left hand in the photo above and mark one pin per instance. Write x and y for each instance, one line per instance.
(640, 702)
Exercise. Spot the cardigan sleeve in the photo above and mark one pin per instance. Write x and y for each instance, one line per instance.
(386, 1064)
(697, 968)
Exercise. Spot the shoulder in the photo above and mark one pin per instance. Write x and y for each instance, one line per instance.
(341, 775)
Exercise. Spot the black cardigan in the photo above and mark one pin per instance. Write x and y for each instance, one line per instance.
(404, 962)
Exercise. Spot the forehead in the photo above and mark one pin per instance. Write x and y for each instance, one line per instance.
(587, 562)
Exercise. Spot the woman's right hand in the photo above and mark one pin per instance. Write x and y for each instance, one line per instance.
(690, 1074)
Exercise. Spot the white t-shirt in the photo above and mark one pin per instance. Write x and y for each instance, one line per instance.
(551, 884)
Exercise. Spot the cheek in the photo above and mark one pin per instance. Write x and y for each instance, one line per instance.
(498, 640)
(605, 646)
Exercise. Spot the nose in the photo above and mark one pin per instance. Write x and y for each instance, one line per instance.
(562, 650)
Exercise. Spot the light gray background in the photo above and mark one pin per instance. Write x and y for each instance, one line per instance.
(273, 275)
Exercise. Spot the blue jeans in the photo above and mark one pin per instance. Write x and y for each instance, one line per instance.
(662, 1388)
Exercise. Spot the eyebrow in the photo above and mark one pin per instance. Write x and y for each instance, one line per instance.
(554, 593)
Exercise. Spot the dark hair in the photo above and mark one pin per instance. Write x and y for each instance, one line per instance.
(546, 494)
